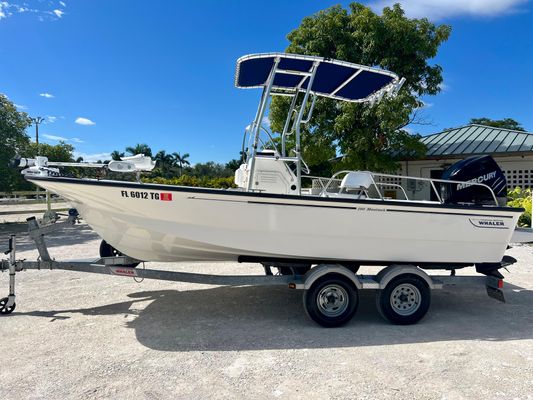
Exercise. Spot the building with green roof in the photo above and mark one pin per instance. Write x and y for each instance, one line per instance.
(512, 150)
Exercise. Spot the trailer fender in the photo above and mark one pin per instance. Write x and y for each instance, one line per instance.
(392, 271)
(324, 269)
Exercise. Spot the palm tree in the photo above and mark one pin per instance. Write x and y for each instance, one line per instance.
(140, 148)
(116, 155)
(181, 160)
(164, 160)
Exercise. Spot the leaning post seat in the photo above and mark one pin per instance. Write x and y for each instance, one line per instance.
(358, 180)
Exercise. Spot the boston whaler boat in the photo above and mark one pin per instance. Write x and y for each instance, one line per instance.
(282, 217)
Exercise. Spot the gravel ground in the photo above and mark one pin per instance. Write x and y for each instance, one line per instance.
(88, 336)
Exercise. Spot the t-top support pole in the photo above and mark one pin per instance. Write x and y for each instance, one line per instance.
(287, 124)
(297, 130)
(257, 123)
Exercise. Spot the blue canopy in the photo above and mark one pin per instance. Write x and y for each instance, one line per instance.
(334, 79)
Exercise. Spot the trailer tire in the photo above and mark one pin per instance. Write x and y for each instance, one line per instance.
(6, 310)
(405, 300)
(331, 301)
(106, 250)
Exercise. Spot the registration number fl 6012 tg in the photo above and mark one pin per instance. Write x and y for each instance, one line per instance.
(134, 194)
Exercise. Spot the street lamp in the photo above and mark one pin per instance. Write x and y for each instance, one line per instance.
(36, 121)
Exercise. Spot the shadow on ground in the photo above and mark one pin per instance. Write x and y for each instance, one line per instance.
(66, 236)
(257, 318)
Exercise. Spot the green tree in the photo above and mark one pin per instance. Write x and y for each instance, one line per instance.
(116, 155)
(181, 160)
(164, 161)
(54, 152)
(211, 169)
(233, 164)
(506, 123)
(13, 140)
(369, 136)
(140, 148)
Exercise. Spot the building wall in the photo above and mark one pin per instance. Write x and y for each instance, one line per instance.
(517, 169)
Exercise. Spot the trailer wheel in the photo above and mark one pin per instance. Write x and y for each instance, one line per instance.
(106, 250)
(6, 310)
(405, 300)
(331, 301)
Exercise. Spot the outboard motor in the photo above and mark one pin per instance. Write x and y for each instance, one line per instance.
(476, 169)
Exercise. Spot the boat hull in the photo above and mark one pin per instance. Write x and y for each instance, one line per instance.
(171, 223)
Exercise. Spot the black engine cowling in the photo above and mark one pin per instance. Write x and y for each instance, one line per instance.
(476, 169)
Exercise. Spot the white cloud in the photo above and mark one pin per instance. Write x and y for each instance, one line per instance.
(56, 138)
(93, 157)
(84, 121)
(47, 95)
(444, 87)
(21, 107)
(8, 9)
(51, 119)
(4, 9)
(438, 9)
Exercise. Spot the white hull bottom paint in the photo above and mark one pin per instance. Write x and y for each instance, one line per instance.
(170, 223)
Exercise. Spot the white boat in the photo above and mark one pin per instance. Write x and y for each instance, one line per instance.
(274, 218)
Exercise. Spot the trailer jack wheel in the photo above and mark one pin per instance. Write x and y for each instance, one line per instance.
(331, 301)
(405, 300)
(4, 309)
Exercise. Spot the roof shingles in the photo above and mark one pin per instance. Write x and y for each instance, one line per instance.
(477, 139)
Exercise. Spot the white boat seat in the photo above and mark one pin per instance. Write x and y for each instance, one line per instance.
(358, 180)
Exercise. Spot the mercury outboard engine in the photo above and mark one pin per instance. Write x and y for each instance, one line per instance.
(476, 169)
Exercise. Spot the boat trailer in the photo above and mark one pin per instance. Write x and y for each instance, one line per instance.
(330, 290)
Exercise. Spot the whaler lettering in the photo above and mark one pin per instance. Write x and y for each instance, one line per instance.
(491, 223)
(488, 223)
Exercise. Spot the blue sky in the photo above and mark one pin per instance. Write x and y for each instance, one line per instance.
(108, 74)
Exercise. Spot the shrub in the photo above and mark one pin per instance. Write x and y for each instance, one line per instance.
(187, 180)
(521, 198)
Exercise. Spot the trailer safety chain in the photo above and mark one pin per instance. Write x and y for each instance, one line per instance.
(142, 279)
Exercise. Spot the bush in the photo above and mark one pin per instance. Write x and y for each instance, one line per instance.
(187, 180)
(521, 198)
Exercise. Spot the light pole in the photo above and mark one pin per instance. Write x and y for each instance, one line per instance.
(36, 121)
